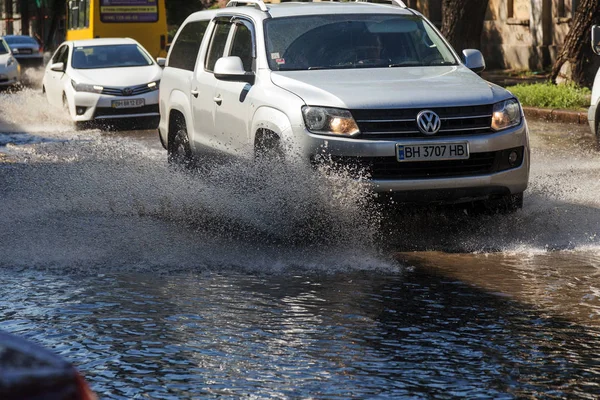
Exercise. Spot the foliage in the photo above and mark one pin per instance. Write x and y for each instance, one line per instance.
(549, 95)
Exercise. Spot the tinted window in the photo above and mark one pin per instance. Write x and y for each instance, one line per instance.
(20, 40)
(353, 41)
(186, 47)
(113, 56)
(242, 46)
(217, 45)
(58, 55)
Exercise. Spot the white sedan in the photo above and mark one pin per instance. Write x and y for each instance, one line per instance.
(103, 79)
(10, 70)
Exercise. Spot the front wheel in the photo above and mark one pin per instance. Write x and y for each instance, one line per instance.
(506, 204)
(179, 150)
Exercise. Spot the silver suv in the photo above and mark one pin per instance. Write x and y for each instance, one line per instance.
(373, 87)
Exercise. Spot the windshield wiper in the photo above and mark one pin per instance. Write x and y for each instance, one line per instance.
(406, 64)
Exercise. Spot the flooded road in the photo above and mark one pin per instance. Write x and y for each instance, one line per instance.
(273, 283)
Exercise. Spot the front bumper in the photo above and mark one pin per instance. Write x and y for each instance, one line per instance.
(459, 187)
(92, 107)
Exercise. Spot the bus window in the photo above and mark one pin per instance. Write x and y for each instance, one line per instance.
(128, 11)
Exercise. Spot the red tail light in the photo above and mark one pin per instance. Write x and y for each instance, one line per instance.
(83, 389)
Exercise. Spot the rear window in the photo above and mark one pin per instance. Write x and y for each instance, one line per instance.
(185, 49)
(113, 56)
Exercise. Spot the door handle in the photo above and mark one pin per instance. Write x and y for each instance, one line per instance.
(218, 100)
(195, 93)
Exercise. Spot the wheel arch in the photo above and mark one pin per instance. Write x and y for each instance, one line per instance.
(271, 120)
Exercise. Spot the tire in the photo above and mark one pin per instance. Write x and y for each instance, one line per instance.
(267, 147)
(179, 151)
(506, 204)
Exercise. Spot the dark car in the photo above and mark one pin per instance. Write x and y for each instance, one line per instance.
(26, 50)
(28, 371)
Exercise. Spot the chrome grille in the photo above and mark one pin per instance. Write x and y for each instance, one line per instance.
(135, 90)
(402, 123)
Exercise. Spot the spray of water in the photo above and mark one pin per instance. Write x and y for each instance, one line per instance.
(97, 198)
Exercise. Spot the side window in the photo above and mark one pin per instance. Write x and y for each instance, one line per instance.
(58, 55)
(64, 56)
(217, 44)
(185, 49)
(242, 46)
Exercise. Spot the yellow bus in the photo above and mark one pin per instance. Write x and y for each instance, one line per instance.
(142, 20)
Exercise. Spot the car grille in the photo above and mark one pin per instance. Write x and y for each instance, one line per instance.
(24, 51)
(402, 123)
(389, 168)
(130, 91)
(116, 112)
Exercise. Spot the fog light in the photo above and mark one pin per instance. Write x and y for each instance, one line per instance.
(513, 157)
(80, 110)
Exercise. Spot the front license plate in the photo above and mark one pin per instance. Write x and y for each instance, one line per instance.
(130, 103)
(432, 152)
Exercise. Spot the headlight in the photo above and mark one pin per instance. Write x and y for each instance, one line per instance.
(329, 121)
(154, 85)
(506, 114)
(11, 61)
(84, 87)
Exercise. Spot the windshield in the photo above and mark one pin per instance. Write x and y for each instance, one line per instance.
(353, 41)
(109, 56)
(3, 47)
(20, 40)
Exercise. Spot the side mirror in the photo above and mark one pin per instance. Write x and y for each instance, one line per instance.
(474, 60)
(232, 69)
(58, 67)
(596, 39)
(161, 61)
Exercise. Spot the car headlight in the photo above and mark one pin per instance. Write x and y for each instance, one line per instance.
(85, 87)
(329, 121)
(506, 114)
(11, 61)
(154, 85)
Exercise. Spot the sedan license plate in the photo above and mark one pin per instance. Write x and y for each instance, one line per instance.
(432, 152)
(130, 103)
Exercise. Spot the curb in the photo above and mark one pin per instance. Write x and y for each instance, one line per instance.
(556, 115)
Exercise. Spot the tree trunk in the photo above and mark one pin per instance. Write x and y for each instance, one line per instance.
(58, 11)
(577, 52)
(462, 22)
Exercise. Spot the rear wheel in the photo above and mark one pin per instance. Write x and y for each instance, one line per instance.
(178, 149)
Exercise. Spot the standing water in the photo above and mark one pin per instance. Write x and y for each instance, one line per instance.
(266, 281)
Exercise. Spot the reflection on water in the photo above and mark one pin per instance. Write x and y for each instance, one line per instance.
(298, 335)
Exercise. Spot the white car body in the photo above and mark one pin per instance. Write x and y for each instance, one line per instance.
(135, 88)
(10, 70)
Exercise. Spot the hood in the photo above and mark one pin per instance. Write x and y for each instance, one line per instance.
(117, 77)
(403, 87)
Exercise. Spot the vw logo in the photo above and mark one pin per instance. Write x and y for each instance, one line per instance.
(127, 91)
(428, 122)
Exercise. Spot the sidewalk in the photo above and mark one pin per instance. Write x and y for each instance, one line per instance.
(508, 78)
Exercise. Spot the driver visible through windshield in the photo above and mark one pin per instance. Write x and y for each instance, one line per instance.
(353, 41)
(113, 56)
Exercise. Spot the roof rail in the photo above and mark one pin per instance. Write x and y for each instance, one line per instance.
(260, 4)
(398, 3)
